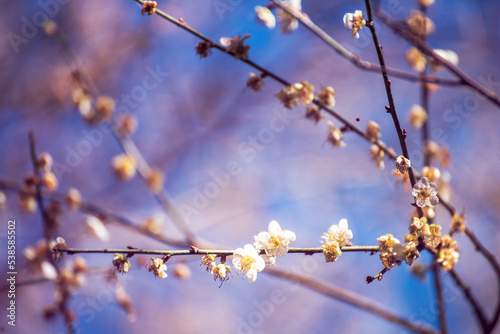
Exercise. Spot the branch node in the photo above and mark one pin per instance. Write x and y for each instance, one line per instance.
(166, 258)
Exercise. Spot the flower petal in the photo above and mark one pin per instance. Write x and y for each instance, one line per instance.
(274, 228)
(348, 20)
(343, 224)
(288, 236)
(282, 251)
(250, 250)
(259, 264)
(251, 275)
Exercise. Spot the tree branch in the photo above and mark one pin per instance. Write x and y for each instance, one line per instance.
(353, 299)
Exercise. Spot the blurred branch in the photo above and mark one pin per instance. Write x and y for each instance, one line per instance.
(439, 296)
(496, 267)
(355, 59)
(47, 220)
(102, 214)
(353, 299)
(478, 311)
(48, 226)
(401, 30)
(127, 144)
(425, 97)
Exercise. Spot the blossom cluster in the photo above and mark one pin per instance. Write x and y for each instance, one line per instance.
(273, 243)
(337, 236)
(422, 235)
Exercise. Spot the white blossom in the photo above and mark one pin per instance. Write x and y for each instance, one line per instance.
(275, 242)
(338, 233)
(248, 261)
(354, 21)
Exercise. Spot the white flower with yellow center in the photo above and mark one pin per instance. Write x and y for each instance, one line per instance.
(355, 22)
(425, 192)
(339, 233)
(275, 242)
(158, 267)
(247, 260)
(337, 236)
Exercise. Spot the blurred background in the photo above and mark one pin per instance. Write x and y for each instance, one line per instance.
(200, 117)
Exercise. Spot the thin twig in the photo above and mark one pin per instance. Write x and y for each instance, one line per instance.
(197, 251)
(401, 30)
(272, 75)
(183, 25)
(496, 268)
(48, 226)
(439, 296)
(392, 106)
(353, 299)
(355, 59)
(478, 311)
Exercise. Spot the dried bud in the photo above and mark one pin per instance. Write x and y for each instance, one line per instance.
(149, 7)
(402, 164)
(204, 49)
(314, 113)
(235, 46)
(255, 82)
(121, 263)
